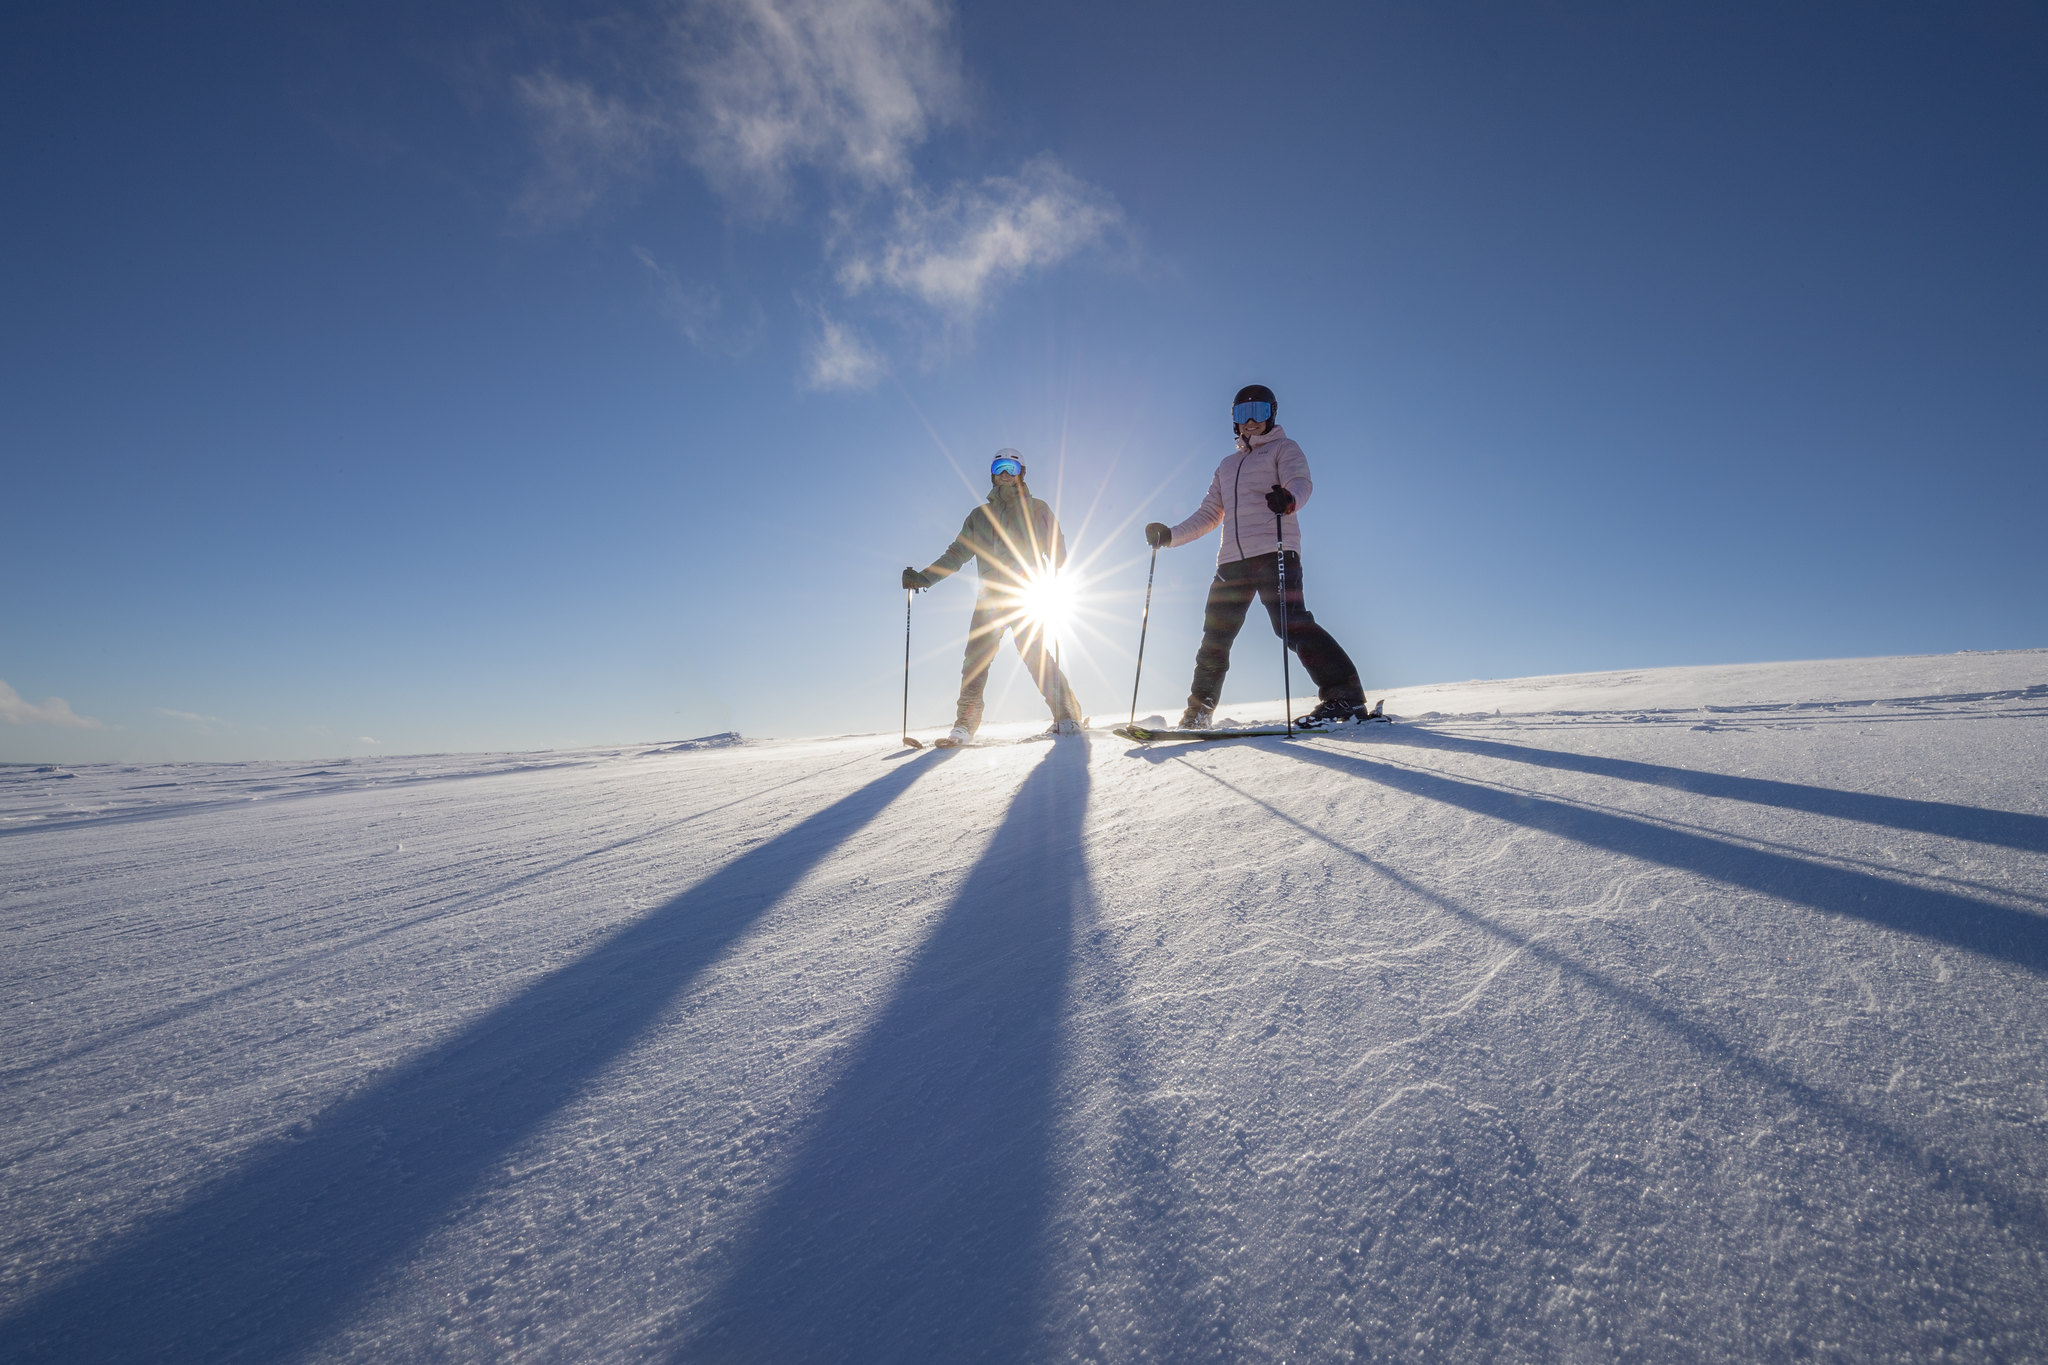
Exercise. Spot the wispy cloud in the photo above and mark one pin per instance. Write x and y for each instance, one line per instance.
(851, 87)
(952, 250)
(752, 93)
(53, 711)
(779, 104)
(841, 360)
(365, 739)
(584, 143)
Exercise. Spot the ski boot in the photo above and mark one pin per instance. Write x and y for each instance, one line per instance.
(1197, 717)
(1332, 713)
(959, 736)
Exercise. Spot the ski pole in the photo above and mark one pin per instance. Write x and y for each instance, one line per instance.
(908, 595)
(1286, 625)
(1144, 622)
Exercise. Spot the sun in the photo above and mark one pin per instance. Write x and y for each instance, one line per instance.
(1047, 600)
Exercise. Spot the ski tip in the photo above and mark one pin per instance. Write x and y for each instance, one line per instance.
(1133, 732)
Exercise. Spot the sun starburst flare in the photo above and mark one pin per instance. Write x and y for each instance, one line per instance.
(1047, 601)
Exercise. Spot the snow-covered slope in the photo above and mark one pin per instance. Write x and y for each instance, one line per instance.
(1687, 1014)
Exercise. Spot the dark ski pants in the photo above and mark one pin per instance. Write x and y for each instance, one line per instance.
(994, 612)
(1230, 597)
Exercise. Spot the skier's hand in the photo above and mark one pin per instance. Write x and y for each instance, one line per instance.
(1158, 533)
(1280, 502)
(915, 581)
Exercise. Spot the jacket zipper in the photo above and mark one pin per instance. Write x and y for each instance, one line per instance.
(1236, 503)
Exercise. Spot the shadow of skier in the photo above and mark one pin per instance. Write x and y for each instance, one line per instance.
(2020, 1210)
(2003, 828)
(911, 1225)
(264, 1260)
(439, 908)
(1965, 922)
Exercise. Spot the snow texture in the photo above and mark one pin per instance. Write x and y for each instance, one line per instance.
(1673, 1015)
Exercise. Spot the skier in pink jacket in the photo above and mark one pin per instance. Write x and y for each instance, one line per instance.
(1264, 481)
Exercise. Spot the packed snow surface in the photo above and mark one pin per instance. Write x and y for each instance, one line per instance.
(1684, 1014)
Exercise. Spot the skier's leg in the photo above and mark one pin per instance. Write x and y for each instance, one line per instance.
(1335, 676)
(984, 637)
(1052, 683)
(1230, 597)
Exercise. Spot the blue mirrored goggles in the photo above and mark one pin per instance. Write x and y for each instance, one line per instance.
(1252, 412)
(1006, 467)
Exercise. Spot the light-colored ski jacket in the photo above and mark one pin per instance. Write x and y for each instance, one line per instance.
(1010, 537)
(1237, 498)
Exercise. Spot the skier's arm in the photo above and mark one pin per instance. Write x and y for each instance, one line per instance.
(1294, 474)
(1059, 543)
(963, 548)
(1207, 517)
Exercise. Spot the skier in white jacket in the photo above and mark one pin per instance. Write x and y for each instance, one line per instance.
(1265, 480)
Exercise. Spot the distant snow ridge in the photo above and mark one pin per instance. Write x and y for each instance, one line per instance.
(723, 740)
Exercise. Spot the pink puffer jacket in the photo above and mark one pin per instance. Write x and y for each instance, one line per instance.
(1237, 498)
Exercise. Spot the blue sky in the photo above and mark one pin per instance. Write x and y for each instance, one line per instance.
(385, 379)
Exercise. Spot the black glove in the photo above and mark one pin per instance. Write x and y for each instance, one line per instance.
(1158, 533)
(1280, 502)
(914, 580)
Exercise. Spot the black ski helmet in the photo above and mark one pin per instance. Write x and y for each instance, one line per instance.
(1257, 393)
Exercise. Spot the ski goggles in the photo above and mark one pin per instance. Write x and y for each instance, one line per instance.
(1006, 466)
(1251, 412)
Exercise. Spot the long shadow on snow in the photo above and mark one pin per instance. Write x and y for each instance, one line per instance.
(259, 1264)
(2021, 1211)
(444, 907)
(2008, 829)
(911, 1225)
(1974, 925)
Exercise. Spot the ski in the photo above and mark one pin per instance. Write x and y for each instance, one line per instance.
(1143, 735)
(1146, 734)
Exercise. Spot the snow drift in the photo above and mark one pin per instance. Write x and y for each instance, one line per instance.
(1685, 1013)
